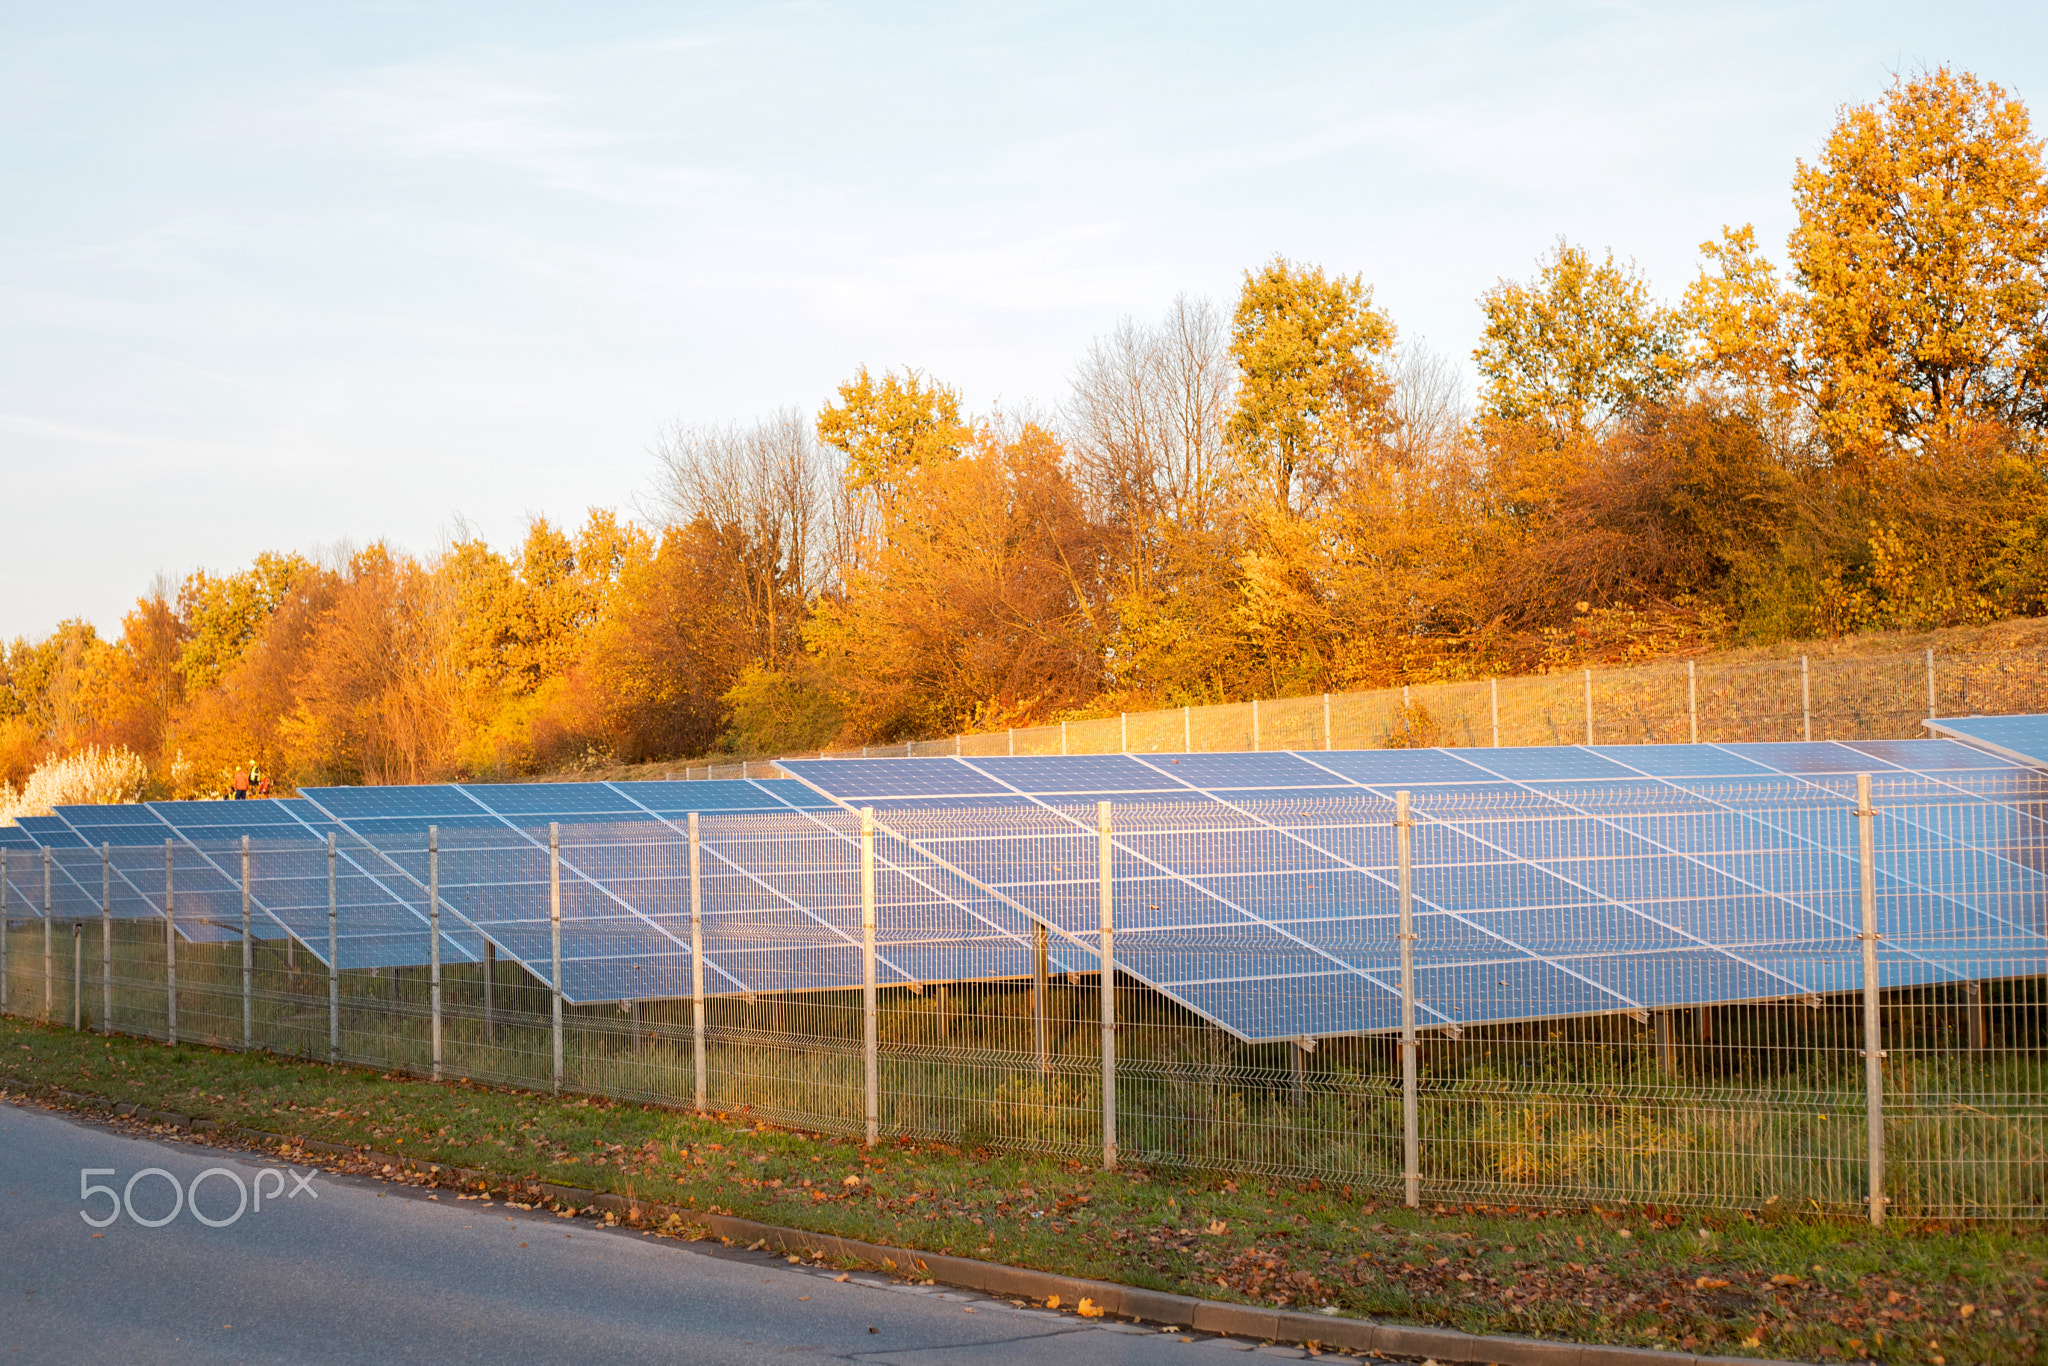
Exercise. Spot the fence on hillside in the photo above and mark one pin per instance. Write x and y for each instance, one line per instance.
(1912, 1067)
(1882, 697)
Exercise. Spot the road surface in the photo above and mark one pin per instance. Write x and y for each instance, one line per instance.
(348, 1269)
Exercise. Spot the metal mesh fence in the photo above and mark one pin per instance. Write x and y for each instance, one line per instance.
(1813, 994)
(1883, 697)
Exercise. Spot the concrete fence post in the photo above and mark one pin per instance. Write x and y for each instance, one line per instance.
(1692, 699)
(170, 946)
(699, 1050)
(870, 1005)
(1932, 706)
(1805, 701)
(555, 941)
(77, 976)
(1040, 973)
(1105, 853)
(333, 959)
(1873, 1030)
(106, 936)
(1326, 721)
(6, 925)
(1589, 706)
(1411, 1133)
(1493, 687)
(434, 940)
(248, 959)
(1187, 730)
(1255, 725)
(49, 984)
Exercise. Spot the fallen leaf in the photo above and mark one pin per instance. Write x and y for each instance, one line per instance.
(1969, 1309)
(1784, 1278)
(842, 1275)
(1052, 1301)
(1709, 1283)
(1088, 1309)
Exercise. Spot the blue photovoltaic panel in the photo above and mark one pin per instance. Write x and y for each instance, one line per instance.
(1549, 882)
(50, 832)
(2023, 739)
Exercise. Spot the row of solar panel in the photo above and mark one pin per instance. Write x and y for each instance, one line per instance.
(1273, 924)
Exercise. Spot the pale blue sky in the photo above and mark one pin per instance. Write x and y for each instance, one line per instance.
(275, 276)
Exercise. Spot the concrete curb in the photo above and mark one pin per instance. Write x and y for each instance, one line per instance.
(1446, 1345)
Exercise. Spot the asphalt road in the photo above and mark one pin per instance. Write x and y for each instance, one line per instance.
(348, 1269)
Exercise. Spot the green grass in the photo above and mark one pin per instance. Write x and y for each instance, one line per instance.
(1635, 1275)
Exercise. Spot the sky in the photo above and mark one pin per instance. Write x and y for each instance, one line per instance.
(291, 276)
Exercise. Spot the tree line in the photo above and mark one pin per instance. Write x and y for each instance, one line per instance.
(1277, 497)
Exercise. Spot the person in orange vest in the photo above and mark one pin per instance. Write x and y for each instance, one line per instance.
(241, 783)
(263, 785)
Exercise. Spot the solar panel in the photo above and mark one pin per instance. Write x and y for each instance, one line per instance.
(1548, 882)
(2022, 739)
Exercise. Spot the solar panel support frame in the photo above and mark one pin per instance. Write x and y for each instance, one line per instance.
(1106, 873)
(248, 959)
(1411, 1134)
(333, 957)
(434, 939)
(555, 938)
(1873, 1028)
(698, 1049)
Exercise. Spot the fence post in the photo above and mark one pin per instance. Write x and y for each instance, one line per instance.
(248, 959)
(106, 936)
(697, 968)
(1589, 706)
(6, 926)
(49, 986)
(1805, 701)
(1013, 742)
(1255, 725)
(1187, 730)
(1493, 686)
(1411, 1134)
(333, 961)
(1105, 854)
(870, 1006)
(1873, 1051)
(555, 940)
(1063, 737)
(1980, 1033)
(1123, 730)
(77, 976)
(434, 934)
(170, 947)
(1931, 706)
(1039, 974)
(1326, 720)
(490, 992)
(1692, 699)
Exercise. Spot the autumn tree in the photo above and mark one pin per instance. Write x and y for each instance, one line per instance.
(1312, 354)
(890, 428)
(1577, 347)
(981, 608)
(1916, 301)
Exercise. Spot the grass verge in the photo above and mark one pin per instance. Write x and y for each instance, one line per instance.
(1779, 1285)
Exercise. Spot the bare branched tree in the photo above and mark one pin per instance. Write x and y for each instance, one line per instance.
(1145, 423)
(771, 494)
